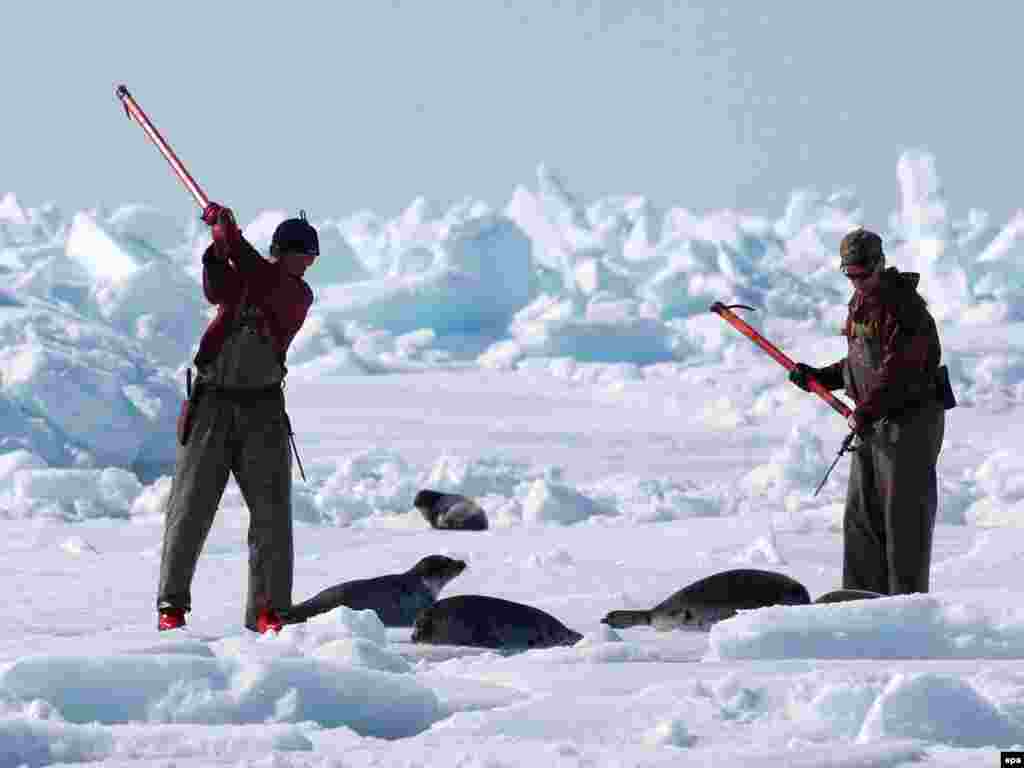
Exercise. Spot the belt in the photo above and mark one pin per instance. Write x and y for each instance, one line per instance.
(247, 395)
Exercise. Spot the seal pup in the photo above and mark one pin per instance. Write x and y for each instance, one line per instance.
(450, 511)
(490, 622)
(714, 598)
(396, 597)
(846, 595)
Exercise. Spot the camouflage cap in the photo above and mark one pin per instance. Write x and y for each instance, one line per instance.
(861, 248)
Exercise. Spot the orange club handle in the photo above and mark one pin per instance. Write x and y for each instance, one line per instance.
(726, 313)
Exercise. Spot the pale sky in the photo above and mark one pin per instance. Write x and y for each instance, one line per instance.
(335, 107)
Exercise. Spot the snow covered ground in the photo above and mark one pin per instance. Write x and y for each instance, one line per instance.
(556, 361)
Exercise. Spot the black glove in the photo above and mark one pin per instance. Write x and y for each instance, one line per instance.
(800, 374)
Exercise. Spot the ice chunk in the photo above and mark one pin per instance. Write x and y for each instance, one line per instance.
(97, 250)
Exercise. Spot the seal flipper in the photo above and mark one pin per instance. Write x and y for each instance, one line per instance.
(847, 595)
(322, 602)
(626, 619)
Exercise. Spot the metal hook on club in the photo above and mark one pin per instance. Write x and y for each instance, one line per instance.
(719, 305)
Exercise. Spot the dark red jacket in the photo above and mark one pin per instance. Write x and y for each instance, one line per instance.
(284, 298)
(893, 349)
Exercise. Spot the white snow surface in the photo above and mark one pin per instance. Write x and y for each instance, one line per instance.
(557, 361)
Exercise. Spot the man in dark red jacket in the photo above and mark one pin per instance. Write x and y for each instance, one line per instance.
(892, 373)
(235, 420)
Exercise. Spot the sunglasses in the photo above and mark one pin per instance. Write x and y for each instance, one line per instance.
(856, 274)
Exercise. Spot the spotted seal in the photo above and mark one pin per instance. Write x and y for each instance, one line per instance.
(397, 598)
(490, 622)
(450, 511)
(714, 598)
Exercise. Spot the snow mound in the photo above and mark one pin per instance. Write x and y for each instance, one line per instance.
(938, 708)
(898, 627)
(256, 680)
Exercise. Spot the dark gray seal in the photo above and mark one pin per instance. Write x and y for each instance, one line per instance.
(396, 597)
(714, 598)
(450, 511)
(490, 622)
(847, 595)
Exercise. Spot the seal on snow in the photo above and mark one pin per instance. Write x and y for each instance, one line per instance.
(490, 622)
(450, 511)
(714, 598)
(396, 597)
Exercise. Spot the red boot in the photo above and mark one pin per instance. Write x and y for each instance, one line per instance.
(170, 618)
(268, 620)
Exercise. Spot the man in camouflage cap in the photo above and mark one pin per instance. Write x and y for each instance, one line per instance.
(892, 373)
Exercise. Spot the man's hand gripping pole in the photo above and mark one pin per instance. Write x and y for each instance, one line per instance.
(726, 313)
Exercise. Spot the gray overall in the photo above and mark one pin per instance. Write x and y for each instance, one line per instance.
(892, 496)
(240, 427)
